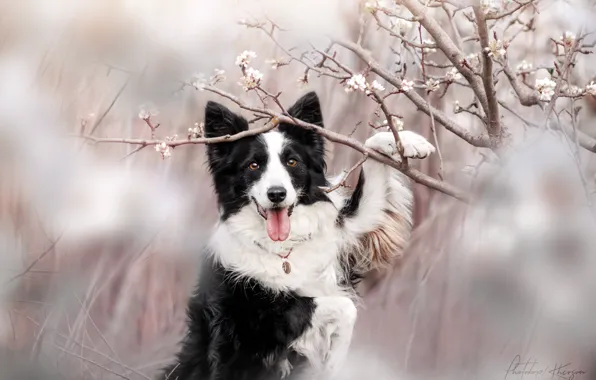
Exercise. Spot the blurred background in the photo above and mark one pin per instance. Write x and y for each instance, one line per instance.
(99, 243)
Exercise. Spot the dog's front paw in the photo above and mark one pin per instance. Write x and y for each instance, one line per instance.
(414, 145)
(383, 142)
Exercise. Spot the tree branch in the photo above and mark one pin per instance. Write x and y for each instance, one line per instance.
(494, 121)
(448, 47)
(277, 118)
(478, 141)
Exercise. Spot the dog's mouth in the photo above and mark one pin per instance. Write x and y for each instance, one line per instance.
(277, 220)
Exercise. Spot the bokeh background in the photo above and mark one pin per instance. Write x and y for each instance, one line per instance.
(99, 248)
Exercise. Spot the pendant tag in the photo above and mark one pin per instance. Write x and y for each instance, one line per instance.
(285, 265)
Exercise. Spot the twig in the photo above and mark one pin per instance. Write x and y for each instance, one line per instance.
(34, 262)
(110, 106)
(342, 182)
(569, 56)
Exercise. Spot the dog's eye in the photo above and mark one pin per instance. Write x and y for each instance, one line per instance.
(253, 166)
(292, 162)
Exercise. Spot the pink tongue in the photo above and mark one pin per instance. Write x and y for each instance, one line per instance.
(278, 224)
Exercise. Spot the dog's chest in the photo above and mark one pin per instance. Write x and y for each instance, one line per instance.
(316, 269)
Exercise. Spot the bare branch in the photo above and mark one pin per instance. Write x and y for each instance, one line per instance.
(510, 12)
(441, 117)
(448, 47)
(494, 121)
(527, 96)
(347, 173)
(277, 118)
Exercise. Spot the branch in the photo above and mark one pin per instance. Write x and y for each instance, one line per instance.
(527, 96)
(277, 118)
(510, 12)
(174, 143)
(448, 47)
(569, 56)
(494, 121)
(479, 141)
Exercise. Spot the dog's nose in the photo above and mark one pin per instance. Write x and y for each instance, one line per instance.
(276, 194)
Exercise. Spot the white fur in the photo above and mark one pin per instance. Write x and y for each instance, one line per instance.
(276, 173)
(242, 245)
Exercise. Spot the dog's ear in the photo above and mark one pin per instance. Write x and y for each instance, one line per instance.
(307, 109)
(220, 121)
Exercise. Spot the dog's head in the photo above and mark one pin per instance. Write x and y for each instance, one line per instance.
(271, 173)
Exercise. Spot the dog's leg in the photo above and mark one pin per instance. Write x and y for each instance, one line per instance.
(326, 342)
(379, 210)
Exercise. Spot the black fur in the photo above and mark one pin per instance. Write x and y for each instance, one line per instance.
(353, 203)
(228, 162)
(239, 330)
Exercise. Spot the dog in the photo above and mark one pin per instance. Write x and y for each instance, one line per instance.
(276, 296)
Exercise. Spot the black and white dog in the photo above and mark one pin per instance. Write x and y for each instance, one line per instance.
(276, 295)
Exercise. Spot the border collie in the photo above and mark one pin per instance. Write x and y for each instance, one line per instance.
(276, 295)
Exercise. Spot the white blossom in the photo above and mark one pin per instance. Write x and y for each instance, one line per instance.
(163, 149)
(376, 86)
(453, 75)
(402, 26)
(429, 47)
(456, 107)
(197, 131)
(276, 63)
(407, 85)
(251, 79)
(144, 114)
(199, 82)
(575, 91)
(568, 38)
(373, 5)
(146, 111)
(496, 49)
(397, 123)
(546, 88)
(490, 7)
(524, 66)
(219, 76)
(473, 59)
(432, 85)
(244, 59)
(591, 89)
(356, 83)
